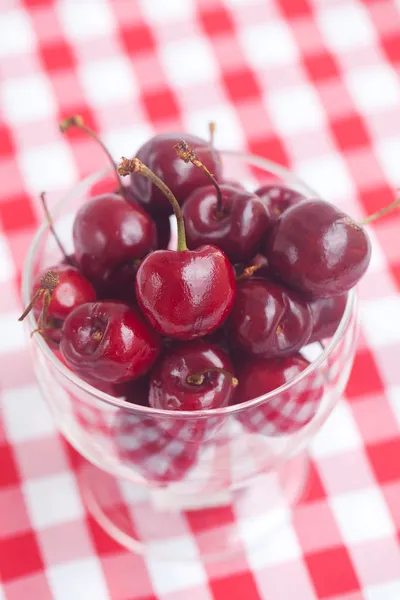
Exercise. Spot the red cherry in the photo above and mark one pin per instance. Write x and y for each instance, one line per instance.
(119, 283)
(278, 198)
(317, 249)
(108, 341)
(237, 229)
(268, 320)
(184, 294)
(162, 224)
(326, 315)
(192, 376)
(109, 231)
(289, 411)
(159, 155)
(73, 289)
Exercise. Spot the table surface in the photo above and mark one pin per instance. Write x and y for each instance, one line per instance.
(312, 84)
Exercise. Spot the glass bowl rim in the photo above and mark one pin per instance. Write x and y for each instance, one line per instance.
(93, 393)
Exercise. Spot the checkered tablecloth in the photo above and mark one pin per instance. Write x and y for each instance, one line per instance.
(312, 84)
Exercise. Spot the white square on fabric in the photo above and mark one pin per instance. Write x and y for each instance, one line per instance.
(25, 414)
(375, 87)
(228, 134)
(78, 580)
(380, 318)
(109, 81)
(87, 20)
(168, 576)
(127, 141)
(339, 433)
(49, 167)
(284, 545)
(362, 515)
(53, 500)
(269, 44)
(388, 151)
(13, 335)
(328, 175)
(346, 27)
(189, 61)
(295, 109)
(7, 269)
(167, 12)
(17, 34)
(383, 591)
(27, 99)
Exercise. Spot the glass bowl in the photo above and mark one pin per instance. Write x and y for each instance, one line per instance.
(150, 476)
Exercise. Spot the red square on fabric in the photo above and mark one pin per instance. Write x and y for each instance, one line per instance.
(7, 146)
(161, 104)
(241, 585)
(314, 489)
(104, 544)
(57, 56)
(216, 21)
(350, 132)
(19, 556)
(391, 47)
(385, 460)
(137, 38)
(364, 378)
(241, 85)
(374, 199)
(271, 148)
(295, 8)
(17, 213)
(8, 470)
(321, 66)
(332, 572)
(13, 511)
(210, 518)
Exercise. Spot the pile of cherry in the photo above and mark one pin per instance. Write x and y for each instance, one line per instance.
(221, 319)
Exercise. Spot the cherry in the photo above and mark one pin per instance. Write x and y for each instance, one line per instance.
(192, 376)
(107, 232)
(288, 411)
(119, 282)
(278, 198)
(326, 316)
(108, 341)
(184, 294)
(162, 224)
(317, 249)
(159, 155)
(268, 320)
(225, 216)
(72, 290)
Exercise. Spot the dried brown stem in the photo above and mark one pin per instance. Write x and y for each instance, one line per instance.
(52, 229)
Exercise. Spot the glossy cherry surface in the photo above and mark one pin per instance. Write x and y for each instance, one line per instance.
(108, 341)
(188, 294)
(268, 320)
(287, 412)
(72, 290)
(159, 155)
(171, 387)
(317, 249)
(326, 316)
(278, 198)
(108, 231)
(237, 229)
(162, 223)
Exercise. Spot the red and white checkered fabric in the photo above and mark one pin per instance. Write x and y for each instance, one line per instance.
(312, 84)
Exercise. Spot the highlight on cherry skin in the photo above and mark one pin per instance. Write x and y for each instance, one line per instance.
(217, 321)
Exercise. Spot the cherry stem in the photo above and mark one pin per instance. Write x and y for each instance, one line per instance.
(185, 152)
(48, 284)
(77, 121)
(380, 213)
(249, 271)
(211, 128)
(134, 165)
(198, 378)
(52, 229)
